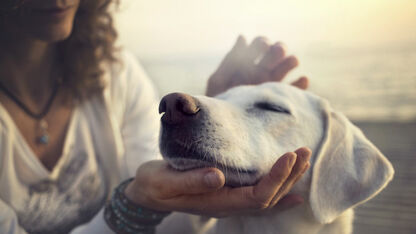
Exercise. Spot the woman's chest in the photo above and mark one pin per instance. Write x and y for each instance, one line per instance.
(45, 137)
(66, 199)
(70, 194)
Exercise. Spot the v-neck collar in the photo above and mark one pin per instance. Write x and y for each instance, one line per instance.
(30, 156)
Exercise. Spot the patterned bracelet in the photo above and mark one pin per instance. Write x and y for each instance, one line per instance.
(124, 216)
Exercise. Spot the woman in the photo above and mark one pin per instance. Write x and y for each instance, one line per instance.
(77, 118)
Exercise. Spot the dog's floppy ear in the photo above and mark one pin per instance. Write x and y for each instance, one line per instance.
(348, 168)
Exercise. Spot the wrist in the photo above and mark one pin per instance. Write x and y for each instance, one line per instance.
(124, 215)
(132, 192)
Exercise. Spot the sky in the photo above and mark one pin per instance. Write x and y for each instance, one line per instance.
(192, 27)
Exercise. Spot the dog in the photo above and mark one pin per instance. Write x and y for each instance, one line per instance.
(244, 130)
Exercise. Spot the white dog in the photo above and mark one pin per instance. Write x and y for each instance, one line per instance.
(243, 131)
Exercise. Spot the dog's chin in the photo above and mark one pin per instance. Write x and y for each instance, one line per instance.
(234, 177)
(183, 157)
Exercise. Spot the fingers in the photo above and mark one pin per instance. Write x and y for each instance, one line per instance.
(239, 44)
(240, 66)
(247, 54)
(269, 191)
(276, 177)
(284, 67)
(236, 54)
(273, 186)
(275, 63)
(260, 195)
(231, 200)
(193, 182)
(302, 82)
(301, 165)
(165, 182)
(273, 57)
(258, 47)
(233, 57)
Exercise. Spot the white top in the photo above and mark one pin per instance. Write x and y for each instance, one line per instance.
(109, 136)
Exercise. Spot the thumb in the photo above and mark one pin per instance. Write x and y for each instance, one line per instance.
(194, 181)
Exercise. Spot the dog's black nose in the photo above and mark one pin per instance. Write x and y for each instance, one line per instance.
(178, 107)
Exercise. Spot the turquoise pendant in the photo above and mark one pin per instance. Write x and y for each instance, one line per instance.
(44, 137)
(44, 140)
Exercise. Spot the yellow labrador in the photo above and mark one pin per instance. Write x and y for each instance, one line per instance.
(243, 131)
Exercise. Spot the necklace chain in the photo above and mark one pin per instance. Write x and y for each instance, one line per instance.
(37, 116)
(43, 125)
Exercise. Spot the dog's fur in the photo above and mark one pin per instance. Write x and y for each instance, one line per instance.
(246, 129)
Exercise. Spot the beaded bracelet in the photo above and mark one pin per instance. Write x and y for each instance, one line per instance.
(124, 216)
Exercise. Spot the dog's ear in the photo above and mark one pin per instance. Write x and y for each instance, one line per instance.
(348, 168)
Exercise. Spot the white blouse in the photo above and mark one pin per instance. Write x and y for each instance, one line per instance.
(109, 136)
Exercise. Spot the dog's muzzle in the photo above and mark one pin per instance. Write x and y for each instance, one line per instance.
(183, 126)
(179, 109)
(189, 139)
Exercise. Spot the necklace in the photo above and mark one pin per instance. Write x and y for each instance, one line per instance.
(43, 137)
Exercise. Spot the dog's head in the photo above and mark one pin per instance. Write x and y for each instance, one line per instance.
(243, 132)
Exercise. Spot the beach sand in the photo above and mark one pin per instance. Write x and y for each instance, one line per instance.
(394, 209)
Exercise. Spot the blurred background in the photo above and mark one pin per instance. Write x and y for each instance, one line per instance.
(359, 54)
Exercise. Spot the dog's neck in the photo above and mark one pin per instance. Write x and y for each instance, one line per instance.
(271, 221)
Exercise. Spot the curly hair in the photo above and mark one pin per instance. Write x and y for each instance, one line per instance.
(90, 45)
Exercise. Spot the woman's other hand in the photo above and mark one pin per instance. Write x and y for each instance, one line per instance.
(256, 63)
(202, 191)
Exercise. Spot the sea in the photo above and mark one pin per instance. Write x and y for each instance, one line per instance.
(366, 84)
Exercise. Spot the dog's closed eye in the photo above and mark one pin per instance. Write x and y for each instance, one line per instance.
(267, 106)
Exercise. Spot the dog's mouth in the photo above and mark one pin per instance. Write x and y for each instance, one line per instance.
(234, 177)
(182, 157)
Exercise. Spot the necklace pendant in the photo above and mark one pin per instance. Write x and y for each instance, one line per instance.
(44, 139)
(43, 125)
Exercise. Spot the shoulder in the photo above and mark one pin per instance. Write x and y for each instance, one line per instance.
(127, 85)
(127, 74)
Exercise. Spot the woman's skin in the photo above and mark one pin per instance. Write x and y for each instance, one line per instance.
(202, 191)
(239, 66)
(28, 49)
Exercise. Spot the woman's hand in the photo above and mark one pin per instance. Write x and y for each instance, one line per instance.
(241, 66)
(202, 191)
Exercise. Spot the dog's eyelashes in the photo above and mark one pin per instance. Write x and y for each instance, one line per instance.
(271, 107)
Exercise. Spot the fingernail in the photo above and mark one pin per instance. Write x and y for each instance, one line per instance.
(212, 179)
(305, 153)
(307, 156)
